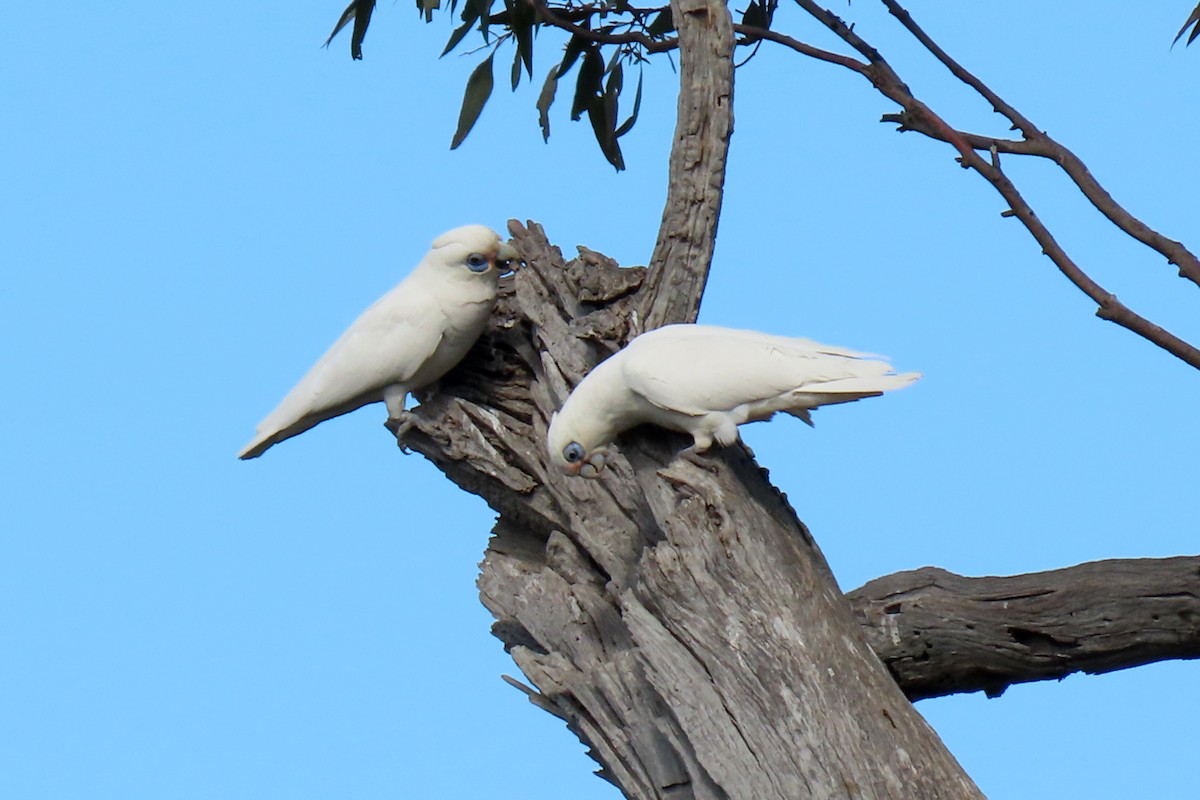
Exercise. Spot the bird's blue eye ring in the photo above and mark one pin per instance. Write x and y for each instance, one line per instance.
(573, 453)
(478, 262)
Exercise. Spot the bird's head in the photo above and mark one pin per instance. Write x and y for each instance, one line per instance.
(572, 451)
(477, 249)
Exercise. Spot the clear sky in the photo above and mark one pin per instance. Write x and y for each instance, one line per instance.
(197, 199)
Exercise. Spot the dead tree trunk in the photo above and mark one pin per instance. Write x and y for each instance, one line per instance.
(674, 612)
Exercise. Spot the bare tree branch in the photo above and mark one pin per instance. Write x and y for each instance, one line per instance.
(941, 633)
(1045, 146)
(687, 235)
(555, 18)
(919, 117)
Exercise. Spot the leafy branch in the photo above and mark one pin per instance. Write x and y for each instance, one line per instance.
(605, 38)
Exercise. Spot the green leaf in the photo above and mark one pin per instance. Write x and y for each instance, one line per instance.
(456, 37)
(545, 99)
(472, 10)
(588, 84)
(576, 45)
(1193, 19)
(612, 91)
(759, 15)
(426, 8)
(598, 116)
(360, 12)
(516, 70)
(662, 25)
(613, 62)
(479, 89)
(521, 22)
(616, 79)
(754, 14)
(627, 125)
(485, 17)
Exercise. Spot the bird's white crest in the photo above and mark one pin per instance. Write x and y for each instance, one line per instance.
(706, 380)
(404, 342)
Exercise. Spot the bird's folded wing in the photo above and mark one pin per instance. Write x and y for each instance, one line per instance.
(696, 371)
(386, 345)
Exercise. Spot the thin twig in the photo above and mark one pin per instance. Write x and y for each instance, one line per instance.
(920, 117)
(1044, 145)
(552, 18)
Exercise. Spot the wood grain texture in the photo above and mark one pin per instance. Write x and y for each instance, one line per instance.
(940, 633)
(704, 124)
(674, 612)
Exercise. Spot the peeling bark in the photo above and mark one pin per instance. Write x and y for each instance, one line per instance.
(941, 633)
(674, 612)
(688, 233)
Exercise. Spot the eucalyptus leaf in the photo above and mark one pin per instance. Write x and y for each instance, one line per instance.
(359, 11)
(575, 47)
(479, 89)
(1193, 19)
(522, 23)
(627, 125)
(459, 33)
(544, 101)
(755, 15)
(588, 84)
(426, 8)
(485, 17)
(663, 24)
(598, 116)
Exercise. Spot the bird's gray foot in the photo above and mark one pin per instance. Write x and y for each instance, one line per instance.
(400, 426)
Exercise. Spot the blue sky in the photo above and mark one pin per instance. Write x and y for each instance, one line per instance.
(197, 201)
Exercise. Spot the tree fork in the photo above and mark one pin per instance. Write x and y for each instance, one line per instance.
(674, 612)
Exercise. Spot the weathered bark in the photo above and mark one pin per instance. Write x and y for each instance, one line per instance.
(674, 612)
(940, 633)
(688, 233)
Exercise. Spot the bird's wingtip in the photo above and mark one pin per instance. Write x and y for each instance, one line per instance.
(254, 448)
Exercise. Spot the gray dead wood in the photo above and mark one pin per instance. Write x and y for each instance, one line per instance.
(674, 613)
(940, 633)
(704, 123)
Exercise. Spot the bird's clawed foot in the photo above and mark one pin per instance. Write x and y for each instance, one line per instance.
(399, 426)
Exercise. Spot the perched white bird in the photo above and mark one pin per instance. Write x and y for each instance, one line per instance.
(706, 380)
(408, 339)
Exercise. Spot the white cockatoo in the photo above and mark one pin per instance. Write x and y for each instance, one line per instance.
(408, 339)
(706, 380)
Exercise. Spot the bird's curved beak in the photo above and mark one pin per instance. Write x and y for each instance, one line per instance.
(507, 258)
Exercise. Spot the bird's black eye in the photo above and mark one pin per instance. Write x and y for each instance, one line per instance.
(478, 262)
(573, 453)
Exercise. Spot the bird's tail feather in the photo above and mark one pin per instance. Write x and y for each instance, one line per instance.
(846, 390)
(863, 384)
(283, 423)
